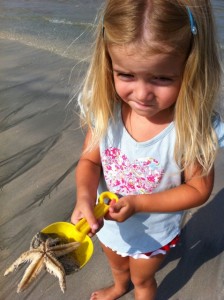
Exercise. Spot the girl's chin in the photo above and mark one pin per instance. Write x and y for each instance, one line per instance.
(144, 110)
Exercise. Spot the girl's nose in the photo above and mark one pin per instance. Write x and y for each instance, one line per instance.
(143, 91)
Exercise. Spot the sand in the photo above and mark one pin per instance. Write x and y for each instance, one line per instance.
(40, 145)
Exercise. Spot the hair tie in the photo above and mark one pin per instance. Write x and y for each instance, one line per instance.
(192, 21)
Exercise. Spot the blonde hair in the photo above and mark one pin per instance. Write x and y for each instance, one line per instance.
(126, 22)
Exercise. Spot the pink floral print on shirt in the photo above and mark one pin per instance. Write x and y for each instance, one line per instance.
(125, 177)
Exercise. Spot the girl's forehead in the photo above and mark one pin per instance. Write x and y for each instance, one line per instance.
(139, 53)
(132, 59)
(142, 50)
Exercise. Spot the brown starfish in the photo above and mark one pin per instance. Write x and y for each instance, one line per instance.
(45, 249)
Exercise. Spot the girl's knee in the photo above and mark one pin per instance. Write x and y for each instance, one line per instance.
(141, 282)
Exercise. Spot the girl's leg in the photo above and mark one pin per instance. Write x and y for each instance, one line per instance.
(121, 275)
(143, 276)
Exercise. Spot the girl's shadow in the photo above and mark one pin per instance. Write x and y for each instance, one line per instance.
(202, 239)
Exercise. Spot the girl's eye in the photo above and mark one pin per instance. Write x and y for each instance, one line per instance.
(125, 75)
(160, 80)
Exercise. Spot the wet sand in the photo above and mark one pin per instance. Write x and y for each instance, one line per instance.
(40, 146)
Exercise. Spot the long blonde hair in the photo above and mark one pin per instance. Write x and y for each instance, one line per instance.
(125, 22)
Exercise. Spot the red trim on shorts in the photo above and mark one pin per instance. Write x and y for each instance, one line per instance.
(167, 247)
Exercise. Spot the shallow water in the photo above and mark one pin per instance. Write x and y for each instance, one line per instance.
(62, 27)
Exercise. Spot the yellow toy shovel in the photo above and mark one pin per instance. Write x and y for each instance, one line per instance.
(79, 232)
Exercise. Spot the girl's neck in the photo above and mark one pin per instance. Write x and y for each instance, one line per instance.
(141, 128)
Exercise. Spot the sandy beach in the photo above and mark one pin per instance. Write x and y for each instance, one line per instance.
(41, 142)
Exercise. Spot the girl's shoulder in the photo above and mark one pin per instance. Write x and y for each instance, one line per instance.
(218, 125)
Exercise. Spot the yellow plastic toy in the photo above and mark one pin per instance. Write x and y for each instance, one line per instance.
(79, 232)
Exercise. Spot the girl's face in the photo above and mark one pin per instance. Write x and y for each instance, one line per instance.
(149, 85)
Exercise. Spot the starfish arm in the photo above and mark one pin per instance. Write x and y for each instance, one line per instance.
(32, 271)
(54, 267)
(24, 257)
(63, 249)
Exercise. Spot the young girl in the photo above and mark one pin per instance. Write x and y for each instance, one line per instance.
(148, 102)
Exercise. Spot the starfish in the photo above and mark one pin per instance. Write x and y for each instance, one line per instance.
(45, 252)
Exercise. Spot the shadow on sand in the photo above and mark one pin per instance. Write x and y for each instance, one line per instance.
(202, 240)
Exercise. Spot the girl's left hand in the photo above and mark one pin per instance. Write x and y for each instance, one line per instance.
(121, 210)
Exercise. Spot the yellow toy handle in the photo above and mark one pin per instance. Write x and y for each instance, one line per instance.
(99, 211)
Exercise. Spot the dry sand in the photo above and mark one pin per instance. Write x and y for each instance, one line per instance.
(40, 146)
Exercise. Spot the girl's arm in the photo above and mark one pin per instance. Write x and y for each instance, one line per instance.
(87, 179)
(194, 192)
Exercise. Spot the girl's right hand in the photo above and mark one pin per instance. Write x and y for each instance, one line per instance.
(85, 210)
